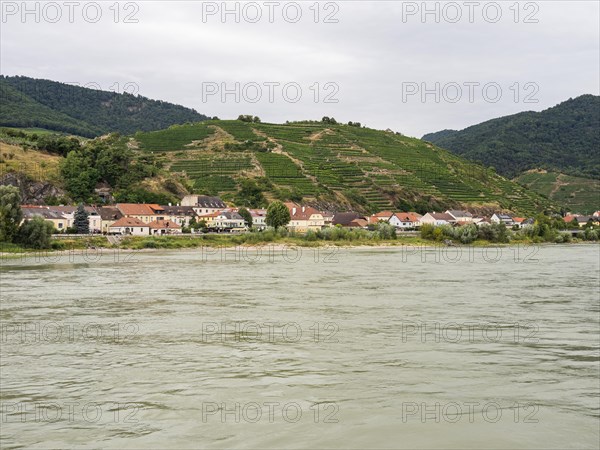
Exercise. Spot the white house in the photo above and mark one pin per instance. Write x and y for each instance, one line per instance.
(229, 220)
(131, 226)
(437, 219)
(502, 218)
(203, 204)
(406, 220)
(259, 217)
(460, 216)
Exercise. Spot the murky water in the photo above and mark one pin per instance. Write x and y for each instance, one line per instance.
(362, 348)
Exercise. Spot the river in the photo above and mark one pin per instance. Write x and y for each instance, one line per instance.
(351, 348)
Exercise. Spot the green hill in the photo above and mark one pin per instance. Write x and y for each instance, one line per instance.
(578, 194)
(29, 102)
(564, 138)
(328, 165)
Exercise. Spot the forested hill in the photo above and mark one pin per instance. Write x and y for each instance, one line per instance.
(564, 138)
(29, 102)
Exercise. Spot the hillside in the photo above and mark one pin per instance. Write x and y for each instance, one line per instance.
(336, 166)
(578, 194)
(29, 102)
(564, 138)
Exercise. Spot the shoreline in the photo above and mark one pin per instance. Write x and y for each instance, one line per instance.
(275, 247)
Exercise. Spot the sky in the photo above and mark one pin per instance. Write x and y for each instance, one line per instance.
(413, 67)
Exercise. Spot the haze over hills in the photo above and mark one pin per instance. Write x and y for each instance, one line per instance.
(554, 151)
(29, 102)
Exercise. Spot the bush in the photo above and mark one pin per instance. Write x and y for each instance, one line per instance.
(36, 233)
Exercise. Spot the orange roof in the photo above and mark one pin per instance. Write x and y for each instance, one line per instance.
(300, 214)
(518, 219)
(138, 209)
(408, 216)
(128, 222)
(166, 224)
(208, 216)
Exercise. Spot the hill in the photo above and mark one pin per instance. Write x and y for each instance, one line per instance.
(564, 138)
(578, 194)
(29, 102)
(327, 165)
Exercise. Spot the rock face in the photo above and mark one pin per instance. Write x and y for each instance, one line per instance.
(32, 192)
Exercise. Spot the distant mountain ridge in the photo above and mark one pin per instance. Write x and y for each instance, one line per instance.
(564, 138)
(29, 102)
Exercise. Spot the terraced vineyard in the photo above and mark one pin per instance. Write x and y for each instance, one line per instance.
(348, 166)
(176, 137)
(582, 195)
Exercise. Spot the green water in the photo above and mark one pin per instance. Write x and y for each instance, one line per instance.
(356, 348)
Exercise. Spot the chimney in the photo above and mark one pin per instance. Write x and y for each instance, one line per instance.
(303, 208)
(294, 211)
(169, 204)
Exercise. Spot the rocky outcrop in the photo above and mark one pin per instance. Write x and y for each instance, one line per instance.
(32, 192)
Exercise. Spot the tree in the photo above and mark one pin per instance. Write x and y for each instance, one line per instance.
(277, 215)
(36, 233)
(10, 213)
(80, 220)
(247, 216)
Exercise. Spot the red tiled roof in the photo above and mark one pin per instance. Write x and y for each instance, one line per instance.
(163, 224)
(138, 209)
(128, 222)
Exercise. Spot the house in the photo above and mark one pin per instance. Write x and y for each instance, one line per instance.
(328, 218)
(259, 217)
(437, 219)
(460, 216)
(108, 216)
(405, 220)
(481, 221)
(143, 211)
(359, 222)
(160, 227)
(382, 216)
(130, 226)
(596, 214)
(203, 204)
(209, 219)
(304, 218)
(181, 215)
(518, 221)
(502, 218)
(56, 218)
(229, 220)
(68, 212)
(344, 219)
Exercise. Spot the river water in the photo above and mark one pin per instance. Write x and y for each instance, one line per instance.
(354, 348)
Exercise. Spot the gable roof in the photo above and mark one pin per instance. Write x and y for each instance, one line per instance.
(459, 213)
(109, 213)
(72, 209)
(164, 224)
(29, 212)
(128, 222)
(408, 216)
(442, 216)
(139, 209)
(206, 201)
(303, 212)
(344, 218)
(179, 210)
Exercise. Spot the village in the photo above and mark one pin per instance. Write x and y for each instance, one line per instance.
(209, 214)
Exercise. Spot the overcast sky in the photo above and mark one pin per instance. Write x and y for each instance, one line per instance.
(373, 58)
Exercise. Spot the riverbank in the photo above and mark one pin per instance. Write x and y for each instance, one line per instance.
(277, 243)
